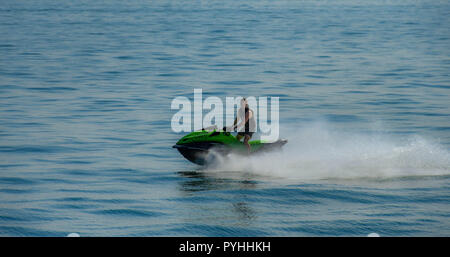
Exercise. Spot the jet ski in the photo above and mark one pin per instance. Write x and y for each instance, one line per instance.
(200, 146)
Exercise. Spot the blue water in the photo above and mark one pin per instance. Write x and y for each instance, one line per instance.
(85, 138)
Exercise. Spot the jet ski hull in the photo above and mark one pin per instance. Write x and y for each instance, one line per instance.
(200, 152)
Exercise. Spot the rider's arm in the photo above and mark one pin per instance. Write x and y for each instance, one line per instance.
(235, 122)
(248, 115)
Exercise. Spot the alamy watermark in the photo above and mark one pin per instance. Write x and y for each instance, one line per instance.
(190, 116)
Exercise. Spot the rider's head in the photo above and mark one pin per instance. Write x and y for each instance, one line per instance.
(243, 102)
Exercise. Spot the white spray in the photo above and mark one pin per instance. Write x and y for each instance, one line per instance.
(315, 152)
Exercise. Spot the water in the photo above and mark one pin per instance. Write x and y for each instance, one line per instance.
(85, 138)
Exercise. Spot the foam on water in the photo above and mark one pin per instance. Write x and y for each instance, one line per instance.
(317, 152)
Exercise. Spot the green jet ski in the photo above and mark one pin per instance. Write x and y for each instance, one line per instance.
(197, 146)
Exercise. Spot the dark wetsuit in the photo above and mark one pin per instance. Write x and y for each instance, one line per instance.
(250, 125)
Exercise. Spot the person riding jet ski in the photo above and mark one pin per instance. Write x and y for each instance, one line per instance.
(247, 124)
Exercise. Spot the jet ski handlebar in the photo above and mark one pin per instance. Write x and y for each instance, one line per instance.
(224, 129)
(210, 128)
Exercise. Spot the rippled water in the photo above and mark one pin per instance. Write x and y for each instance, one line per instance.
(85, 138)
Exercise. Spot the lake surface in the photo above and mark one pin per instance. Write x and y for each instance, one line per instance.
(85, 136)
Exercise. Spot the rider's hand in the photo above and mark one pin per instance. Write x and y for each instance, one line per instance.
(230, 128)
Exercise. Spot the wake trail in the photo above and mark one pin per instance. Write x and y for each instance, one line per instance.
(316, 152)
